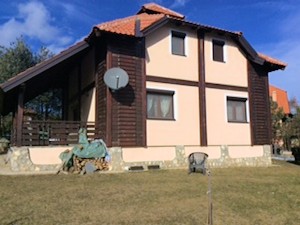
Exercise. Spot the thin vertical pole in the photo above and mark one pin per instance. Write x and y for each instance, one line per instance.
(210, 205)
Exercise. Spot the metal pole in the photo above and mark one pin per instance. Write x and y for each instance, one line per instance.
(210, 205)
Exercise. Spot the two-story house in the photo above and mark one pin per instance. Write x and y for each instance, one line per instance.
(191, 88)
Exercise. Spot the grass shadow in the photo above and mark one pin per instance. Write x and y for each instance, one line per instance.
(294, 162)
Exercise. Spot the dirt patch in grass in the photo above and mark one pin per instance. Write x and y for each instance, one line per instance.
(240, 196)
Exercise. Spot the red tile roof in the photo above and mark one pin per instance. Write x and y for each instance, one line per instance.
(126, 25)
(281, 97)
(160, 9)
(272, 60)
(151, 14)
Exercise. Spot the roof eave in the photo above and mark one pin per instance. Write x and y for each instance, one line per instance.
(273, 67)
(39, 68)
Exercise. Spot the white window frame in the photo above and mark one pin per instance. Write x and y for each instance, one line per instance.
(246, 104)
(224, 49)
(185, 43)
(175, 99)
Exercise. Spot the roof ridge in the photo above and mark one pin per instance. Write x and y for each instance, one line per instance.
(126, 25)
(160, 9)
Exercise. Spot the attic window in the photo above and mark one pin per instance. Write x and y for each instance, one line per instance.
(218, 50)
(178, 40)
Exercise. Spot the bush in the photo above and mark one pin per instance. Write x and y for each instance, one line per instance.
(296, 153)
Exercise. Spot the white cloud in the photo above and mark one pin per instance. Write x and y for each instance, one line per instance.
(178, 3)
(34, 22)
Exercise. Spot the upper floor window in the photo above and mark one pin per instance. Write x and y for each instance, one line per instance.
(160, 104)
(236, 109)
(178, 43)
(218, 50)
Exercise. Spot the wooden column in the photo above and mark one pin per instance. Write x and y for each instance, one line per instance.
(108, 104)
(20, 110)
(141, 50)
(202, 92)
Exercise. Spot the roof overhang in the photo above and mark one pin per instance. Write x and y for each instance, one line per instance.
(38, 77)
(42, 67)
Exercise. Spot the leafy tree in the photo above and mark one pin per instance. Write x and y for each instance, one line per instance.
(17, 58)
(47, 106)
(286, 128)
(293, 103)
(277, 115)
(296, 127)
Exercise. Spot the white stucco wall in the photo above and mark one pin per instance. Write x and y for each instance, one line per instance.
(184, 130)
(162, 63)
(231, 72)
(219, 130)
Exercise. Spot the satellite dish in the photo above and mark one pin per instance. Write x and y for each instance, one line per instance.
(116, 78)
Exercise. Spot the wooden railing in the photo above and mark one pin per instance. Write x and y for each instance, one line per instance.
(43, 133)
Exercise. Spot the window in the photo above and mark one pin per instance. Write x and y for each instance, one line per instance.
(236, 109)
(178, 47)
(218, 50)
(160, 104)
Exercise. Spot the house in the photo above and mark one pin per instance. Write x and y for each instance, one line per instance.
(281, 97)
(192, 88)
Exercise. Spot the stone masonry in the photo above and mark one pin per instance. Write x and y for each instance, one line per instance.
(19, 160)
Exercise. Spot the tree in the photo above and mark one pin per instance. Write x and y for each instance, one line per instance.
(277, 115)
(286, 128)
(17, 58)
(293, 103)
(296, 127)
(47, 105)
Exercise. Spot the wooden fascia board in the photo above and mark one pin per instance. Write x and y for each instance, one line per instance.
(273, 67)
(166, 20)
(42, 67)
(253, 56)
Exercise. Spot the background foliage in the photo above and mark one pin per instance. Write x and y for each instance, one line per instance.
(15, 59)
(285, 127)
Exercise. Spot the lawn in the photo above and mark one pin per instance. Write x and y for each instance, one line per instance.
(247, 196)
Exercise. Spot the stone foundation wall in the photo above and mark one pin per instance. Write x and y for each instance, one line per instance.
(19, 159)
(181, 161)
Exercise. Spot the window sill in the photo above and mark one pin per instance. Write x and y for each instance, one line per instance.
(242, 122)
(217, 61)
(161, 119)
(179, 54)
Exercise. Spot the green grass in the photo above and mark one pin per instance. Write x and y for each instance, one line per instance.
(247, 196)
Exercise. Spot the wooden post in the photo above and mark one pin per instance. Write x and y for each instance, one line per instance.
(108, 104)
(202, 91)
(20, 110)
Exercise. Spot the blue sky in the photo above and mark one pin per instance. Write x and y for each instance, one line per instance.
(271, 26)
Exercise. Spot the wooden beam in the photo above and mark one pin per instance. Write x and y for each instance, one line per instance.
(141, 49)
(108, 104)
(202, 92)
(250, 94)
(20, 110)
